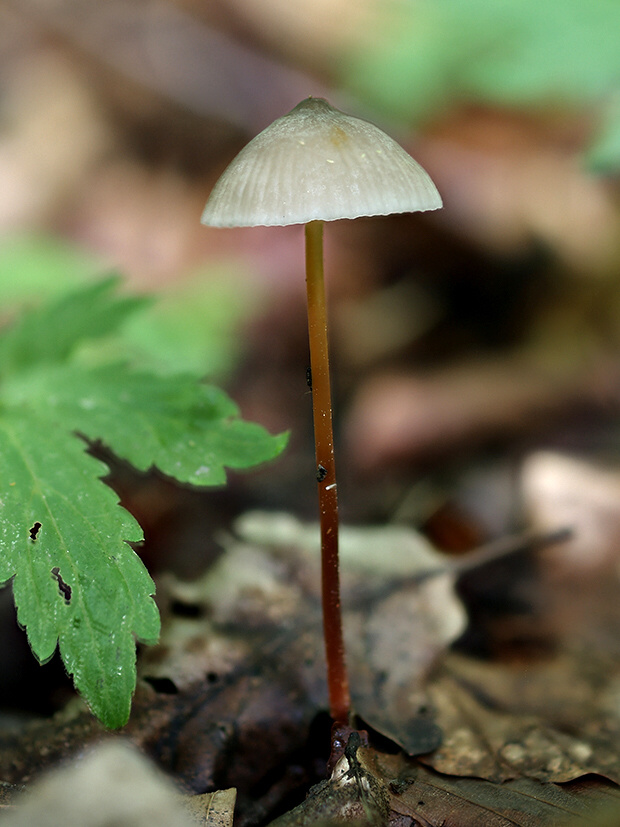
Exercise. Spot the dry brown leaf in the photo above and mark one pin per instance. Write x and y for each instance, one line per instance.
(551, 721)
(241, 676)
(432, 799)
(400, 614)
(391, 652)
(372, 788)
(240, 673)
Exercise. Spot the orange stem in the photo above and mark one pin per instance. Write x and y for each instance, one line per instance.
(337, 678)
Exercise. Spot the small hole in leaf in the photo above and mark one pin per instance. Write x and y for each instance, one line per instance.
(63, 588)
(34, 531)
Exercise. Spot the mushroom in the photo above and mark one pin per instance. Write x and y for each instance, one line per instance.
(317, 164)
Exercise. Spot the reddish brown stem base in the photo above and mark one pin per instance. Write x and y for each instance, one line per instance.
(337, 678)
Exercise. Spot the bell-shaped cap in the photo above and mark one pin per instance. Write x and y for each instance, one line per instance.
(316, 163)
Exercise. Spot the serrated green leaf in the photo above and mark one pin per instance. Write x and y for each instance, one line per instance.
(50, 333)
(188, 430)
(63, 536)
(76, 582)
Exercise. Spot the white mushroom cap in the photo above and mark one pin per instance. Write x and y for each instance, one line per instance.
(316, 163)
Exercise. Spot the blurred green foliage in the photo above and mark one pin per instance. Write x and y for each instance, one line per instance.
(604, 155)
(193, 326)
(38, 267)
(432, 54)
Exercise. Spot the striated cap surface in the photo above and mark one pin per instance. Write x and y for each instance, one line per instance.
(316, 163)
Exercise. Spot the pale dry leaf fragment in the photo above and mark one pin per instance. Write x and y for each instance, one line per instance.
(561, 490)
(390, 551)
(212, 809)
(190, 646)
(112, 784)
(393, 647)
(248, 582)
(245, 588)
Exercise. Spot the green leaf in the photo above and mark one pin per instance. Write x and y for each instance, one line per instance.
(50, 333)
(76, 581)
(188, 430)
(63, 537)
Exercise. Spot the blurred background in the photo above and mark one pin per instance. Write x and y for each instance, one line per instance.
(476, 349)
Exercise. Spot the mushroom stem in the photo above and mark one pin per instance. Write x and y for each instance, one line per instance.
(337, 678)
